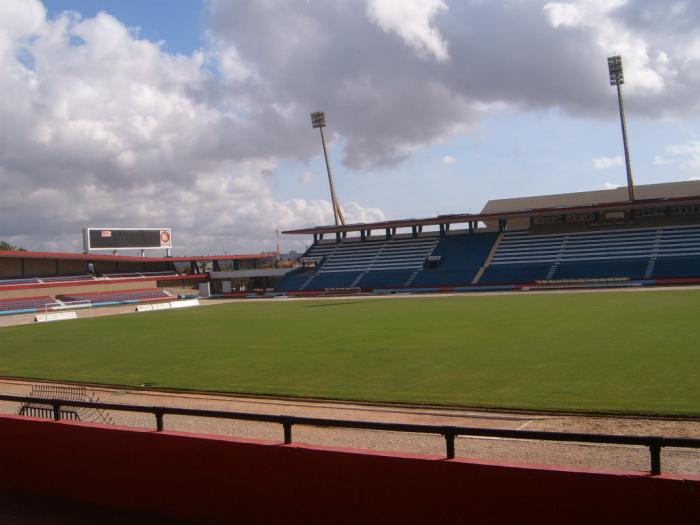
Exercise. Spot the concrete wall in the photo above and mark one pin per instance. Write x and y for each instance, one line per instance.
(226, 480)
(105, 266)
(39, 266)
(130, 266)
(10, 267)
(67, 266)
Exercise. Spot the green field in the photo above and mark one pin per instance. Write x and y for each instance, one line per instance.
(612, 352)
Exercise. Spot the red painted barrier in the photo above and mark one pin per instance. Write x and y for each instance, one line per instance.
(678, 280)
(225, 480)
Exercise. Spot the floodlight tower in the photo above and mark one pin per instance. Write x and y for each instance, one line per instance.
(617, 78)
(318, 120)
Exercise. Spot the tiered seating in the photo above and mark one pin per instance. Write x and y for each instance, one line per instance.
(119, 296)
(385, 279)
(18, 280)
(396, 254)
(677, 267)
(320, 281)
(461, 258)
(24, 304)
(81, 277)
(393, 264)
(678, 254)
(294, 280)
(369, 264)
(635, 253)
(120, 275)
(61, 278)
(516, 273)
(632, 268)
(46, 279)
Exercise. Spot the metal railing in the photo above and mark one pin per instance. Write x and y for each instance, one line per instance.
(654, 443)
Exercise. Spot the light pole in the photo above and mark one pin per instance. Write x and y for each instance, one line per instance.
(617, 78)
(318, 120)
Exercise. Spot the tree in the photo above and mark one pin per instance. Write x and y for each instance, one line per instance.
(7, 246)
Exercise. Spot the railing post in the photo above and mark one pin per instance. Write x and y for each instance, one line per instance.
(287, 425)
(56, 411)
(449, 442)
(159, 420)
(655, 451)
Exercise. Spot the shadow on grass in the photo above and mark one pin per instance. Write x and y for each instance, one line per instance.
(333, 304)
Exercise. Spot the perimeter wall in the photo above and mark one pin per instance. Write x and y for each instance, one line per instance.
(225, 480)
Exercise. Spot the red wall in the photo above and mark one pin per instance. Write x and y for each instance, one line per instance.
(222, 480)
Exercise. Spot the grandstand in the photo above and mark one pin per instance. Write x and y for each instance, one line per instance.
(513, 243)
(34, 281)
(644, 253)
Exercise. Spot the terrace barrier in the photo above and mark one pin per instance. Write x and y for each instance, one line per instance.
(654, 443)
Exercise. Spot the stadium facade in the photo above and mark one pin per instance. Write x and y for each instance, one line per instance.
(34, 281)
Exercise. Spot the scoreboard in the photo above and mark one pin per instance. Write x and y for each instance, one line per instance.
(126, 238)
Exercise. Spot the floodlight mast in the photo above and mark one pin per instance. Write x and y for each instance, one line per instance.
(617, 78)
(318, 120)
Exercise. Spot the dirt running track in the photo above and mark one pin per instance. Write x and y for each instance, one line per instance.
(496, 449)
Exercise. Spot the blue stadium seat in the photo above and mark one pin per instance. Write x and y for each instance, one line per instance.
(321, 281)
(294, 280)
(396, 263)
(632, 268)
(385, 279)
(521, 257)
(514, 273)
(637, 253)
(677, 267)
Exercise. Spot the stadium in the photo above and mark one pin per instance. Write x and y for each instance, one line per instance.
(534, 317)
(534, 361)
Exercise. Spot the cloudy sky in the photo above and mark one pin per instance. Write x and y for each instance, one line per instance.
(194, 114)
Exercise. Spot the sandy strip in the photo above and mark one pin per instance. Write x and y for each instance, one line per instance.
(526, 451)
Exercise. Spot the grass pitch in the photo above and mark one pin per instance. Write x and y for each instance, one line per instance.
(612, 352)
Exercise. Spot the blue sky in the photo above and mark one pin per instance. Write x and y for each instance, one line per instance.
(511, 154)
(177, 23)
(195, 114)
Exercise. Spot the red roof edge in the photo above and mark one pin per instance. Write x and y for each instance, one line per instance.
(89, 257)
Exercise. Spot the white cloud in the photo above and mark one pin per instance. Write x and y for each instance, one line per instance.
(688, 154)
(449, 160)
(367, 68)
(307, 177)
(604, 163)
(355, 213)
(662, 161)
(609, 186)
(412, 21)
(612, 36)
(689, 148)
(101, 127)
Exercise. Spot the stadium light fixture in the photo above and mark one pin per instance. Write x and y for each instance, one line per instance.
(318, 120)
(617, 78)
